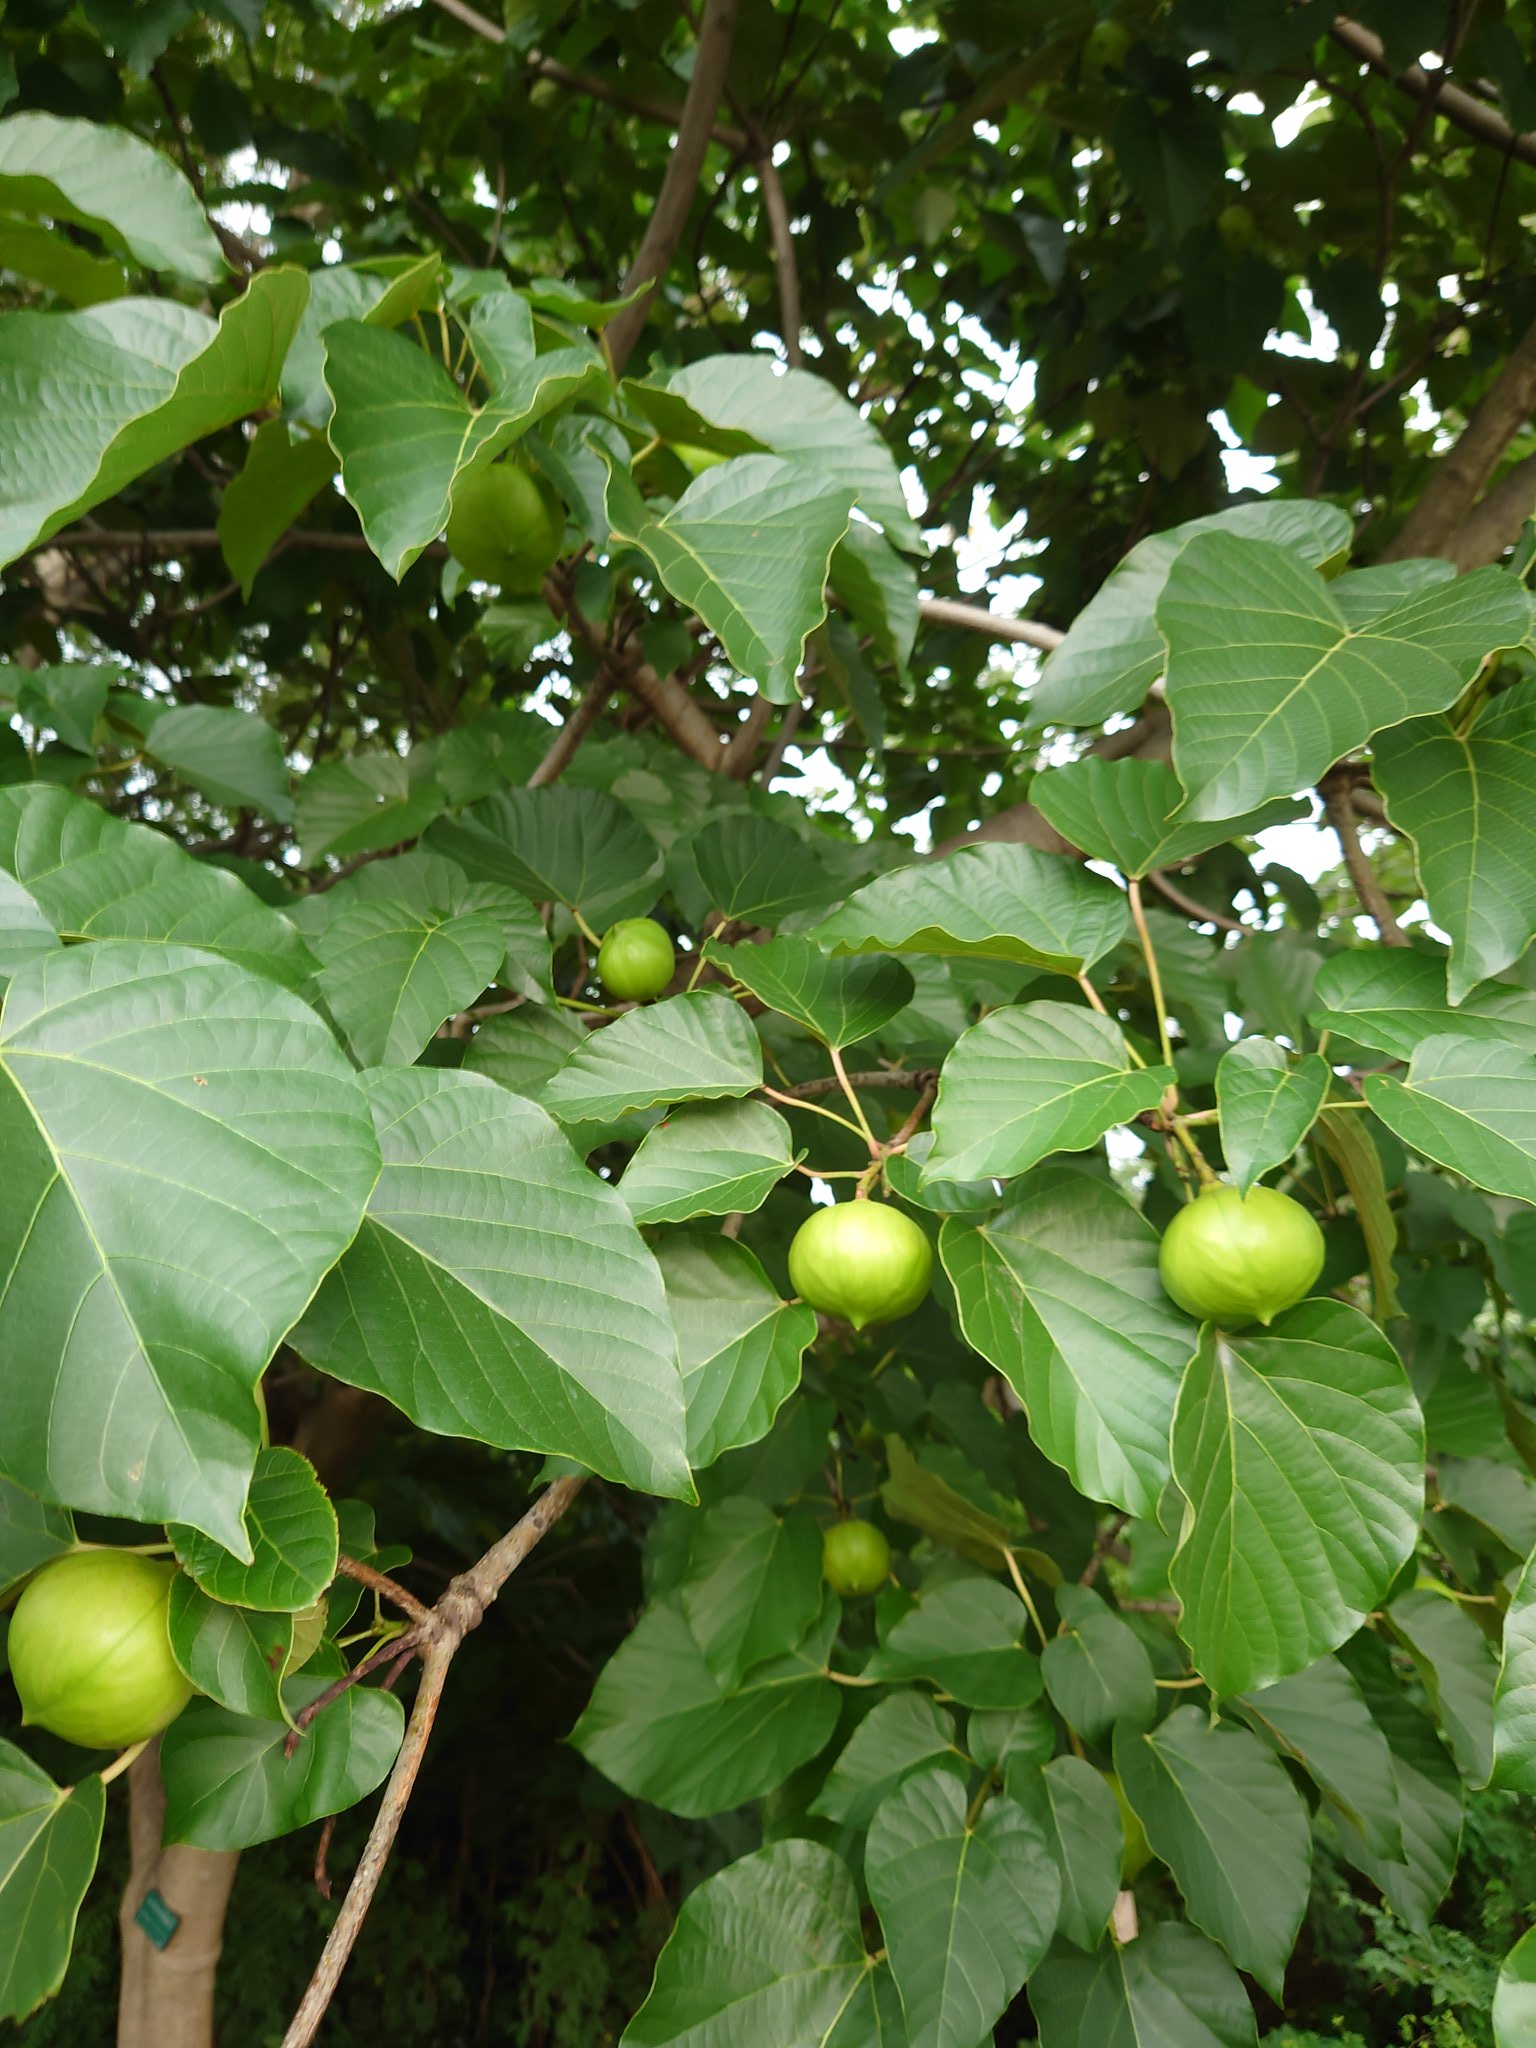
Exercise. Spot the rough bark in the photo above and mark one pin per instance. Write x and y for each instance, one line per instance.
(1462, 475)
(165, 1996)
(1479, 119)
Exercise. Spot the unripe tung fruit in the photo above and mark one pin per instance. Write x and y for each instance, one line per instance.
(863, 1261)
(1236, 226)
(855, 1559)
(1105, 48)
(90, 1652)
(636, 959)
(1231, 1258)
(505, 527)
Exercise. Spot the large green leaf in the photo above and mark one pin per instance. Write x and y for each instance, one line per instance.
(1081, 1819)
(93, 876)
(748, 547)
(967, 1637)
(1429, 1795)
(840, 1001)
(187, 1153)
(282, 474)
(1456, 1664)
(740, 1345)
(758, 870)
(1029, 1081)
(561, 845)
(1097, 1671)
(1320, 1719)
(111, 182)
(1514, 1706)
(805, 418)
(498, 1290)
(753, 1584)
(1114, 652)
(49, 1836)
(234, 757)
(290, 1529)
(521, 1049)
(1391, 1000)
(879, 590)
(661, 1725)
(231, 1654)
(897, 1736)
(96, 398)
(1268, 1103)
(708, 1159)
(914, 1491)
(967, 1907)
(1170, 1988)
(68, 696)
(1300, 1452)
(228, 1784)
(690, 1048)
(1123, 812)
(31, 1532)
(1060, 1292)
(769, 1949)
(367, 802)
(389, 975)
(1469, 1104)
(1269, 682)
(1220, 1810)
(1468, 802)
(1514, 1996)
(985, 902)
(406, 432)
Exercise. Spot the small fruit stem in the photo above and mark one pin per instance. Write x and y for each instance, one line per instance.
(816, 1108)
(698, 968)
(1097, 1002)
(584, 928)
(1133, 891)
(1197, 1158)
(119, 1764)
(854, 1104)
(1023, 1592)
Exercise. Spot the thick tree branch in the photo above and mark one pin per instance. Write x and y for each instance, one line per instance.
(1480, 120)
(669, 216)
(1460, 476)
(1340, 813)
(776, 209)
(1494, 523)
(740, 750)
(666, 697)
(460, 1609)
(584, 714)
(947, 611)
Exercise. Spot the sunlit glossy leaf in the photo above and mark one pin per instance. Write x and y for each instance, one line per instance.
(1268, 1103)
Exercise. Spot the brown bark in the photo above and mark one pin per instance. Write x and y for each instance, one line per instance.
(165, 1996)
(1462, 475)
(1480, 120)
(674, 202)
(1493, 525)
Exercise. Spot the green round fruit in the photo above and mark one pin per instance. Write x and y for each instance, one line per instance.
(1106, 47)
(1137, 1853)
(90, 1651)
(636, 959)
(1236, 226)
(1231, 1258)
(696, 459)
(505, 527)
(862, 1261)
(855, 1559)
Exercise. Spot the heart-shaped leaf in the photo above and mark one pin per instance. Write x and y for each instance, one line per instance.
(739, 1343)
(691, 1048)
(1469, 1104)
(1267, 1103)
(1124, 812)
(290, 1529)
(577, 846)
(1391, 999)
(49, 1836)
(708, 1159)
(840, 1001)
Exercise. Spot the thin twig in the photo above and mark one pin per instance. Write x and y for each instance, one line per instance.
(459, 1610)
(1483, 122)
(1340, 813)
(947, 611)
(776, 209)
(584, 715)
(883, 1077)
(380, 1583)
(1200, 912)
(1155, 979)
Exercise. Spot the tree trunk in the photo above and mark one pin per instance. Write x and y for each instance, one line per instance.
(165, 1997)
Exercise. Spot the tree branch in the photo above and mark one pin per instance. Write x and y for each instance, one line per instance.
(947, 611)
(1494, 523)
(669, 216)
(1464, 108)
(740, 750)
(584, 714)
(460, 1609)
(1200, 912)
(1340, 813)
(776, 209)
(1463, 473)
(666, 697)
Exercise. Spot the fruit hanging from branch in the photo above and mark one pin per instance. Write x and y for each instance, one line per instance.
(855, 1559)
(1234, 1259)
(506, 527)
(636, 959)
(862, 1261)
(90, 1650)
